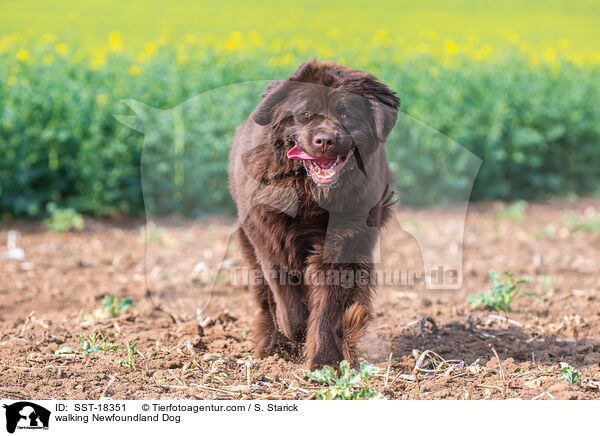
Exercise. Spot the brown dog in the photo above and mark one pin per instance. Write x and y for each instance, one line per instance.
(310, 178)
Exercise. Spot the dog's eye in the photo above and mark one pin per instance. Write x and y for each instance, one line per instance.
(344, 115)
(307, 114)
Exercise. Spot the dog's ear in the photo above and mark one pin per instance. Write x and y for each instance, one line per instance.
(385, 104)
(385, 119)
(308, 71)
(275, 93)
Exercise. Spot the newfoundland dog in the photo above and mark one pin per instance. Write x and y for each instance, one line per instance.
(310, 178)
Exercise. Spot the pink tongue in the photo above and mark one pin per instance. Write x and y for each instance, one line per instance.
(296, 153)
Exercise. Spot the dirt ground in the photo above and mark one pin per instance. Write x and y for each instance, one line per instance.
(56, 291)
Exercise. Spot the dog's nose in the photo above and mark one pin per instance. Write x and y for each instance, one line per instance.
(324, 140)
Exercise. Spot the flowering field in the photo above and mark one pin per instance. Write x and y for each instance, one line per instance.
(524, 99)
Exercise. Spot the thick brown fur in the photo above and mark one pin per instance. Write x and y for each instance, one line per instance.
(289, 223)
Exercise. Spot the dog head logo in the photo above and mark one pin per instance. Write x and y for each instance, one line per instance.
(26, 415)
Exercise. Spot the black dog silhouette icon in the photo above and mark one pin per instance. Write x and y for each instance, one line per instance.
(26, 415)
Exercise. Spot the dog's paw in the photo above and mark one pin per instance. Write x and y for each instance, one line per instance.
(320, 360)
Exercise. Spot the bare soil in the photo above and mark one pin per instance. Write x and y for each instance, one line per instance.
(53, 295)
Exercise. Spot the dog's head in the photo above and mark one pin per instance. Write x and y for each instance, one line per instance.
(324, 115)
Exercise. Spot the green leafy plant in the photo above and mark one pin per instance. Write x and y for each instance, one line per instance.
(343, 387)
(96, 342)
(548, 232)
(63, 220)
(570, 374)
(65, 351)
(589, 225)
(504, 291)
(546, 283)
(58, 148)
(515, 211)
(132, 351)
(113, 306)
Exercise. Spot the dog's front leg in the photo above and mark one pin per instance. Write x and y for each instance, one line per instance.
(288, 293)
(340, 307)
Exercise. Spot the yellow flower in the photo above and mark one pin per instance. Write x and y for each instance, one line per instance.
(432, 36)
(98, 60)
(451, 48)
(333, 33)
(136, 70)
(47, 38)
(48, 59)
(190, 38)
(236, 41)
(6, 41)
(162, 40)
(483, 53)
(288, 59)
(23, 55)
(513, 37)
(564, 44)
(150, 48)
(114, 41)
(301, 42)
(101, 98)
(276, 45)
(12, 81)
(255, 38)
(550, 54)
(382, 36)
(577, 58)
(62, 48)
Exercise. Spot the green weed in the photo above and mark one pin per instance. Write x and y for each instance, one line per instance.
(63, 220)
(96, 342)
(65, 351)
(570, 374)
(548, 232)
(589, 225)
(344, 387)
(515, 211)
(132, 351)
(113, 306)
(546, 283)
(504, 291)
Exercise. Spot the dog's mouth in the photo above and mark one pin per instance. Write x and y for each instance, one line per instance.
(323, 170)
